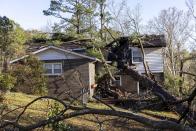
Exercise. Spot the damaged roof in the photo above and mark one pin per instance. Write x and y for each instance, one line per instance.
(67, 45)
(149, 41)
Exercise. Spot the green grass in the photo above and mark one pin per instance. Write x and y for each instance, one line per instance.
(162, 113)
(39, 110)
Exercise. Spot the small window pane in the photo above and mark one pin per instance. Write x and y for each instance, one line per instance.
(57, 66)
(48, 68)
(137, 55)
(137, 59)
(57, 69)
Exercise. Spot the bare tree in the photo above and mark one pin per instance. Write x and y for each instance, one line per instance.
(126, 19)
(175, 25)
(191, 7)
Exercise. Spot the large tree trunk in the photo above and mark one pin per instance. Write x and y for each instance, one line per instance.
(157, 90)
(78, 13)
(101, 19)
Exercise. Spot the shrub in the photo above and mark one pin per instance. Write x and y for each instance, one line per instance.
(29, 76)
(6, 81)
(172, 83)
(57, 126)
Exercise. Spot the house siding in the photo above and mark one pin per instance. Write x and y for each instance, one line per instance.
(53, 54)
(154, 59)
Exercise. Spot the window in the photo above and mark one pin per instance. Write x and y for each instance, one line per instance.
(53, 68)
(48, 68)
(57, 68)
(136, 55)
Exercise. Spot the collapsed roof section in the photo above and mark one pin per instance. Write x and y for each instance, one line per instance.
(149, 41)
(57, 39)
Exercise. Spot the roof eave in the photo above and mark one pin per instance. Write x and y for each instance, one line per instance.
(49, 47)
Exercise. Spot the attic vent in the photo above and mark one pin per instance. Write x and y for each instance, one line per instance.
(79, 50)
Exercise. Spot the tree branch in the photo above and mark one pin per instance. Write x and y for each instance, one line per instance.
(162, 124)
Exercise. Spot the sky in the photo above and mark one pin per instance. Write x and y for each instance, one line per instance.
(29, 13)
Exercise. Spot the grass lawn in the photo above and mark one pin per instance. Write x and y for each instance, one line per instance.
(39, 111)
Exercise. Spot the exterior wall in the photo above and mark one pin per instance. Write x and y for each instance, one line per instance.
(78, 76)
(91, 78)
(131, 85)
(74, 81)
(154, 58)
(128, 84)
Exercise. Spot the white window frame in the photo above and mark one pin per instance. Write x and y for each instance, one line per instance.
(136, 49)
(53, 74)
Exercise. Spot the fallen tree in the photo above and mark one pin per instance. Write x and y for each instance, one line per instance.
(119, 52)
(166, 97)
(79, 111)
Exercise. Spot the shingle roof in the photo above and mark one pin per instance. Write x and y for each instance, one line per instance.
(149, 41)
(153, 41)
(67, 45)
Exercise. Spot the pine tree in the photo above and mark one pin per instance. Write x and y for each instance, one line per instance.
(6, 39)
(12, 38)
(72, 13)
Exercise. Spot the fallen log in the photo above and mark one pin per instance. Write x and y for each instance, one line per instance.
(159, 91)
(156, 124)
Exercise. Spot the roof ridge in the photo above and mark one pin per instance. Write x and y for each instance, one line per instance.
(57, 48)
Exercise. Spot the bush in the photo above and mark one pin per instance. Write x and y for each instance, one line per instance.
(6, 81)
(29, 76)
(57, 126)
(173, 83)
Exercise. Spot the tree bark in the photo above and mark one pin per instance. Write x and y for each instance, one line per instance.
(101, 19)
(78, 18)
(157, 124)
(157, 90)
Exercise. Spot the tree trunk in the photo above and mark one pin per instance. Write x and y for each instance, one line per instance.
(78, 18)
(181, 75)
(143, 54)
(101, 19)
(157, 90)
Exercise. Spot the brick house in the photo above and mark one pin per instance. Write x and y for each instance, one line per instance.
(70, 72)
